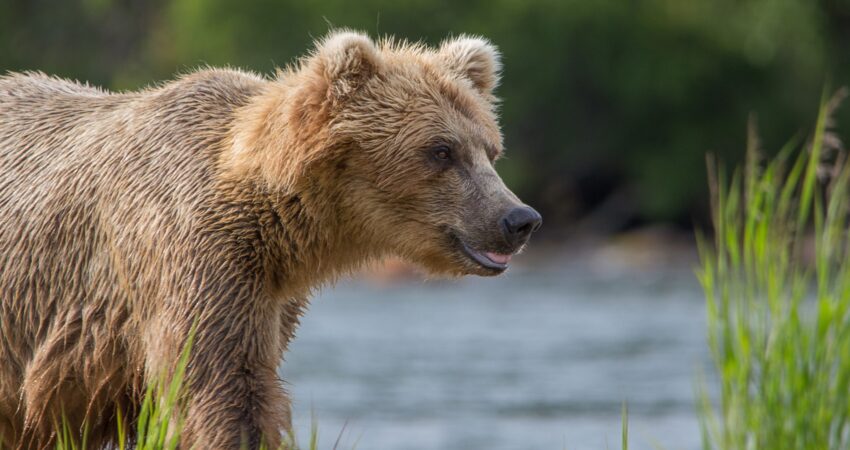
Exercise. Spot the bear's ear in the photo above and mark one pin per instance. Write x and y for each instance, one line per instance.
(346, 60)
(474, 58)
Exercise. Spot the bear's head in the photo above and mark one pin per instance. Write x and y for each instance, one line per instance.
(401, 140)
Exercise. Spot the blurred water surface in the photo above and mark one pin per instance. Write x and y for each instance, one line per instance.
(536, 359)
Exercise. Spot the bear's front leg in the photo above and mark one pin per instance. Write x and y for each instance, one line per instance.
(235, 397)
(235, 410)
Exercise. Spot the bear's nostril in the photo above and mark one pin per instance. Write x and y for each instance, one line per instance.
(537, 225)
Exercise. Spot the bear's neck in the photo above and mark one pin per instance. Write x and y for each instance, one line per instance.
(310, 241)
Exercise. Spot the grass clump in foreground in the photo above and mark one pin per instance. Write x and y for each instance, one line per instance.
(161, 418)
(777, 287)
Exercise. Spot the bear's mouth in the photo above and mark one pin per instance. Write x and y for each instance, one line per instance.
(489, 260)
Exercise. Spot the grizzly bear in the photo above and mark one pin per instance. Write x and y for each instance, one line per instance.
(220, 201)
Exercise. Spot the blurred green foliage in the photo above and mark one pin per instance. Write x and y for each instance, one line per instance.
(608, 105)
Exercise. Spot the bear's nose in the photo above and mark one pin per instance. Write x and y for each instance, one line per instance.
(519, 223)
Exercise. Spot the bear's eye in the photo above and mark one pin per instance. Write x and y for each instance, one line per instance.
(442, 153)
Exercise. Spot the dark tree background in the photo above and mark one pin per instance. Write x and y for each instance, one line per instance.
(609, 106)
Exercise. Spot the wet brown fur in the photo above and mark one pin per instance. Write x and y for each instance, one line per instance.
(222, 197)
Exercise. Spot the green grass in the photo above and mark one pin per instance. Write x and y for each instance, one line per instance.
(776, 278)
(161, 418)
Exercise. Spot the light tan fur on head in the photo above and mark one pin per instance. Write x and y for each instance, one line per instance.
(279, 136)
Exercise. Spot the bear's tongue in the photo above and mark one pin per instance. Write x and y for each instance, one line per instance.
(498, 258)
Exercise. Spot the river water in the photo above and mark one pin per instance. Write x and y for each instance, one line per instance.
(536, 359)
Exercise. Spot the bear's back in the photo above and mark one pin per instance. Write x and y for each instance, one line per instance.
(92, 183)
(59, 136)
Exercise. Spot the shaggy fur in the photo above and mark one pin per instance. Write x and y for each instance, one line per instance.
(223, 197)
